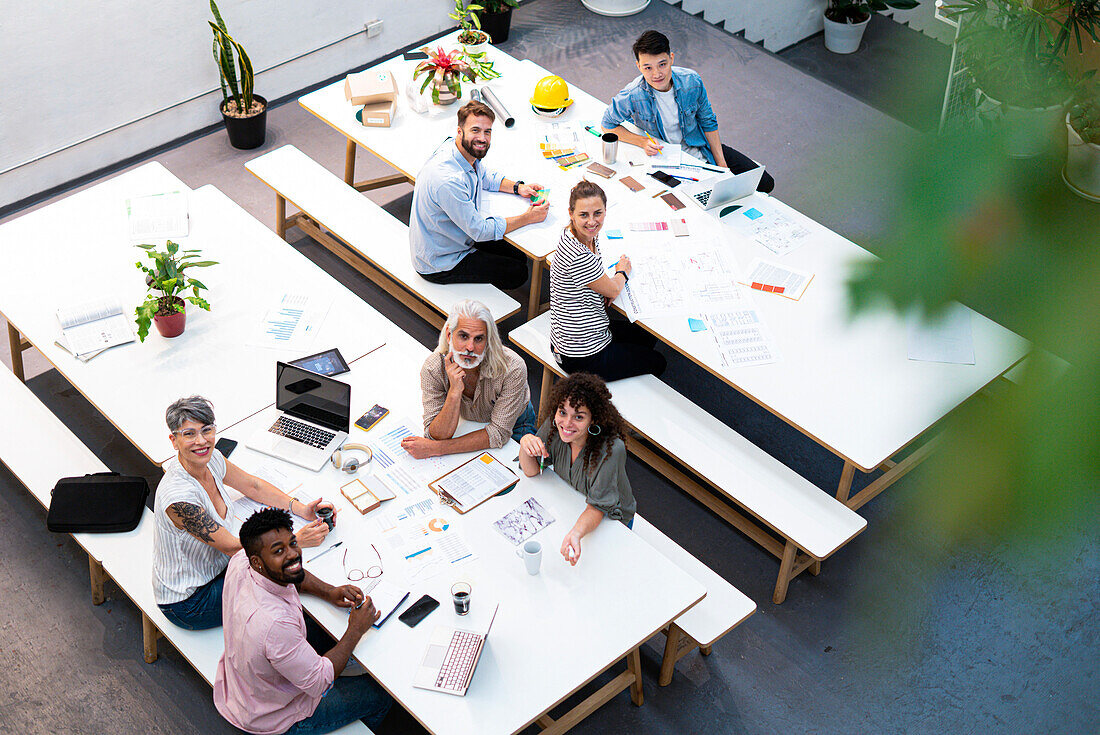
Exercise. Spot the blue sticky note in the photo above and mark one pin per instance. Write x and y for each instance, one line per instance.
(696, 325)
(614, 234)
(753, 213)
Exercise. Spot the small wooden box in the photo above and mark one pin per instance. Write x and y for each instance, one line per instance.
(378, 115)
(369, 87)
(366, 495)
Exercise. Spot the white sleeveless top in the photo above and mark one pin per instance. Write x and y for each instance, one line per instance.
(182, 563)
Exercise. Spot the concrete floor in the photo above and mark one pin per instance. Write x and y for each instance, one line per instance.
(890, 638)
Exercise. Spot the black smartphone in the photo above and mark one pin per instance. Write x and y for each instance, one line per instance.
(367, 421)
(415, 55)
(669, 181)
(418, 611)
(225, 446)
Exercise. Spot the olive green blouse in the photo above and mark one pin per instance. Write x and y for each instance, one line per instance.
(606, 486)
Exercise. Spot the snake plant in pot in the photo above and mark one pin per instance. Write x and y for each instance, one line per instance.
(167, 281)
(243, 112)
(845, 21)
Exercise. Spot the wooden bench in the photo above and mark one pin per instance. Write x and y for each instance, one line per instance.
(810, 523)
(39, 450)
(363, 235)
(723, 609)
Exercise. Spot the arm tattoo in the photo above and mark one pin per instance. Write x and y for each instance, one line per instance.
(195, 520)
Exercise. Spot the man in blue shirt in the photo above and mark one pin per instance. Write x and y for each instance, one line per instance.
(451, 241)
(669, 103)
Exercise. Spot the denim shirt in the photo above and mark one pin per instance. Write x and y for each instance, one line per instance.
(638, 104)
(445, 218)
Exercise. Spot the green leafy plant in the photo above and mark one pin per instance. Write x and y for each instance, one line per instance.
(1085, 119)
(446, 69)
(493, 7)
(857, 11)
(1016, 50)
(167, 281)
(234, 67)
(467, 18)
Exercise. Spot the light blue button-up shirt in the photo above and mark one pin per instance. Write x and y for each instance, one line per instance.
(638, 104)
(445, 219)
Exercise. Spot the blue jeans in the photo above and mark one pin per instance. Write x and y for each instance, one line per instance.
(202, 610)
(526, 423)
(350, 698)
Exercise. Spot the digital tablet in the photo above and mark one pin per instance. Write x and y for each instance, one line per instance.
(329, 362)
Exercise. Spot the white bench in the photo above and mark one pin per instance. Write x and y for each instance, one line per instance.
(812, 524)
(39, 450)
(723, 609)
(363, 235)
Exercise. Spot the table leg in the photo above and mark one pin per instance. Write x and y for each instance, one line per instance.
(149, 636)
(634, 666)
(785, 569)
(349, 163)
(15, 346)
(845, 485)
(97, 575)
(536, 289)
(280, 216)
(668, 661)
(547, 384)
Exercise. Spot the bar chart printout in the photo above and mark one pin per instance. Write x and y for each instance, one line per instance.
(291, 323)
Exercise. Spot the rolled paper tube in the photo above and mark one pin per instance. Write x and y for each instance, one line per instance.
(489, 98)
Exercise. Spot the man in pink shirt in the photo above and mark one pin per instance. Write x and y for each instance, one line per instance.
(270, 680)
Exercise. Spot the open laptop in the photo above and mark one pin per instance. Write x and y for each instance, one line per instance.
(451, 658)
(713, 193)
(314, 418)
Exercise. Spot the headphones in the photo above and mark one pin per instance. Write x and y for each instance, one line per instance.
(351, 465)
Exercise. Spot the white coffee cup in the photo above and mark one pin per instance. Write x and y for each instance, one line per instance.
(531, 553)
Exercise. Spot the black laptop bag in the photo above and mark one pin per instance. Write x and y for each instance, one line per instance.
(104, 502)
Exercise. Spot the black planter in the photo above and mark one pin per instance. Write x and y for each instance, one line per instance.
(247, 132)
(497, 25)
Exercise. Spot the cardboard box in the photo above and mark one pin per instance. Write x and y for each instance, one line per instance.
(369, 87)
(378, 115)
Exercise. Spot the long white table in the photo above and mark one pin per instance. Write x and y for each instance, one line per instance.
(554, 632)
(411, 139)
(77, 249)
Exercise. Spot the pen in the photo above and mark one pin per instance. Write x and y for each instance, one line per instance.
(338, 543)
(659, 146)
(589, 129)
(614, 265)
(659, 194)
(685, 178)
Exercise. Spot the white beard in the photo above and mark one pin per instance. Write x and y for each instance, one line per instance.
(467, 362)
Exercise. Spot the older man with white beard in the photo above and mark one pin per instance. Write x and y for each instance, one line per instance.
(473, 376)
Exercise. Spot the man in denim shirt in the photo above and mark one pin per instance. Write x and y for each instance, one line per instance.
(451, 241)
(670, 104)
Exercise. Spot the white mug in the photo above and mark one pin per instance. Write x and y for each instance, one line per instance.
(531, 553)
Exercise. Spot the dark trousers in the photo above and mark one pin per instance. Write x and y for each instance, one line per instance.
(738, 162)
(494, 262)
(630, 353)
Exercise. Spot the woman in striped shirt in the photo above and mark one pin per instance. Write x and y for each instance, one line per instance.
(582, 336)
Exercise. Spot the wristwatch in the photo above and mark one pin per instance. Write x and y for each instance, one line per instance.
(515, 187)
(626, 278)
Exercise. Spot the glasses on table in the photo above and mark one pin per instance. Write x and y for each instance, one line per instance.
(190, 434)
(357, 575)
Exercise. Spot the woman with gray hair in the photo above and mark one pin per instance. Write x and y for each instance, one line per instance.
(192, 541)
(473, 376)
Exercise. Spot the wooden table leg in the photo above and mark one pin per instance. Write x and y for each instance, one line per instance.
(785, 569)
(634, 666)
(668, 661)
(349, 163)
(547, 384)
(280, 216)
(149, 636)
(845, 485)
(536, 289)
(705, 650)
(15, 345)
(95, 571)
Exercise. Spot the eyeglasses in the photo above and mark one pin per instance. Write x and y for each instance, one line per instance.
(190, 434)
(355, 575)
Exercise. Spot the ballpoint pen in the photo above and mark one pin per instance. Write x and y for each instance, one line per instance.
(659, 194)
(684, 178)
(338, 543)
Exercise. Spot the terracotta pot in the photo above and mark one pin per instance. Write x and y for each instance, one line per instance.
(171, 325)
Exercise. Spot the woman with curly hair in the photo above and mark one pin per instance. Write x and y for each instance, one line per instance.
(581, 437)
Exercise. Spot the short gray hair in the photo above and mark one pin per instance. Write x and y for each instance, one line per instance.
(194, 408)
(495, 364)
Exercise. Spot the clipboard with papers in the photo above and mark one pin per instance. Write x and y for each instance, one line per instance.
(473, 482)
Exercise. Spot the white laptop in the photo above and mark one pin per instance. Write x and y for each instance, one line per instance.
(452, 655)
(713, 193)
(313, 421)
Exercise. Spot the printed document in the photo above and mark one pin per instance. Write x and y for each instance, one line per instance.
(158, 216)
(741, 337)
(291, 323)
(524, 522)
(670, 279)
(93, 326)
(947, 339)
(777, 279)
(777, 231)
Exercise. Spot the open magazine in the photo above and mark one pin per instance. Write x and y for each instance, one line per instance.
(93, 326)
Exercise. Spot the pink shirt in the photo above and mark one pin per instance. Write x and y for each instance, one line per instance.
(269, 677)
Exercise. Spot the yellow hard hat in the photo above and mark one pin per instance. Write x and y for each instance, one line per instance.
(551, 93)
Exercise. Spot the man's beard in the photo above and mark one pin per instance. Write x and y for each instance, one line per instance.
(469, 148)
(467, 361)
(283, 577)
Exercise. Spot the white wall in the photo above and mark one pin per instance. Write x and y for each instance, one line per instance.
(70, 70)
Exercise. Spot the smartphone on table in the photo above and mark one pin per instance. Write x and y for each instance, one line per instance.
(367, 421)
(418, 611)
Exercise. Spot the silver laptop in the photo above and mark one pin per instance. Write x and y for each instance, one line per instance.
(313, 421)
(451, 658)
(713, 193)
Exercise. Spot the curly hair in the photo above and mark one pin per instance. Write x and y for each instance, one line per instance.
(589, 391)
(259, 523)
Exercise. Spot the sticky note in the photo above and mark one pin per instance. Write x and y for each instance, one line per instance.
(614, 234)
(753, 213)
(696, 325)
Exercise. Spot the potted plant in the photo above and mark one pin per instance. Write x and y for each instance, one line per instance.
(1082, 170)
(444, 71)
(471, 36)
(244, 113)
(496, 19)
(846, 20)
(1016, 55)
(164, 304)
